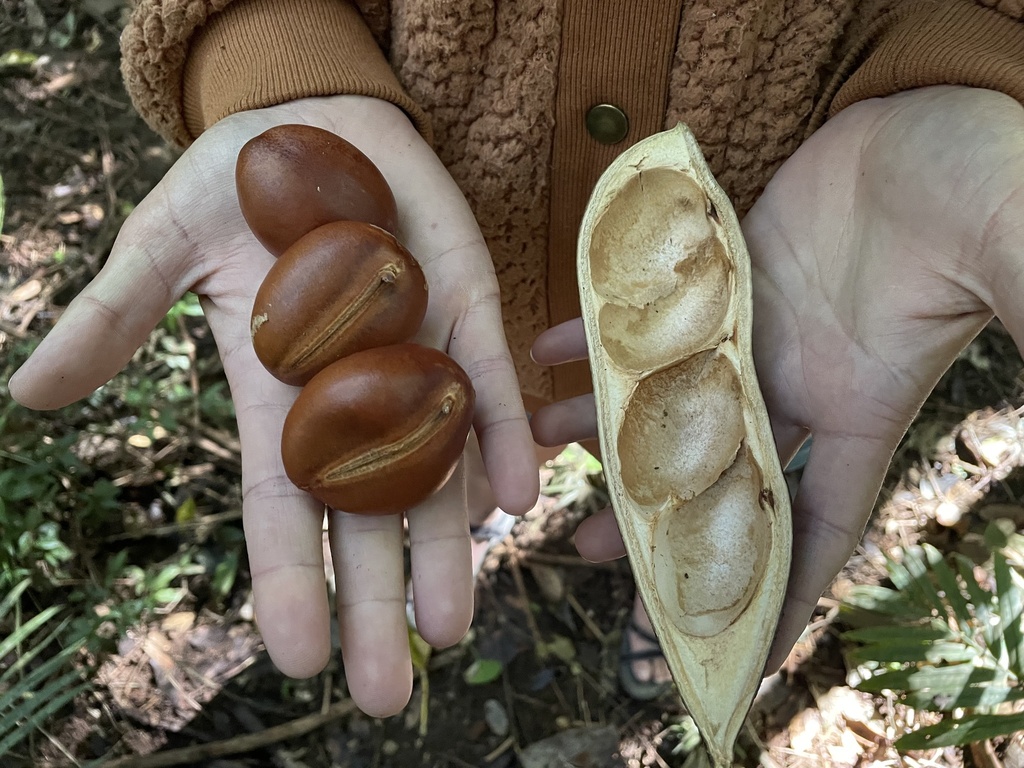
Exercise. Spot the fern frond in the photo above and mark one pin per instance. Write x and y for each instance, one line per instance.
(953, 733)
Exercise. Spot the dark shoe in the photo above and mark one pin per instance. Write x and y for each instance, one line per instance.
(640, 690)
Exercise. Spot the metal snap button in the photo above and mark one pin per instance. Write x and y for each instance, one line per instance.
(607, 123)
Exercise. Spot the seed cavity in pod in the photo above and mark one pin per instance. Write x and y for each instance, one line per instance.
(640, 243)
(687, 321)
(721, 540)
(687, 420)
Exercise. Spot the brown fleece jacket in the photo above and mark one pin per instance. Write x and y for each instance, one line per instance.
(501, 89)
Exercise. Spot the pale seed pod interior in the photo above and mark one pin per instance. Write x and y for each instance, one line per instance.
(695, 481)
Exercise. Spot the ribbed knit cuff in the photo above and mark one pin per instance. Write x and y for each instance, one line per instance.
(188, 63)
(257, 53)
(950, 42)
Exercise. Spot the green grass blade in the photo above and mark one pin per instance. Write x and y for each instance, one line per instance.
(1011, 606)
(946, 680)
(25, 631)
(39, 716)
(3, 203)
(36, 700)
(27, 657)
(949, 585)
(910, 653)
(975, 697)
(11, 598)
(9, 699)
(953, 733)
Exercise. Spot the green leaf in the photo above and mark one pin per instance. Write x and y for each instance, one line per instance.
(917, 567)
(17, 59)
(915, 633)
(224, 575)
(22, 633)
(953, 733)
(166, 595)
(186, 512)
(420, 650)
(868, 597)
(949, 680)
(975, 697)
(11, 598)
(561, 648)
(482, 671)
(54, 702)
(981, 599)
(1011, 606)
(26, 687)
(28, 655)
(950, 586)
(907, 653)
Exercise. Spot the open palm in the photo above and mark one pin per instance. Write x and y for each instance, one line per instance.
(188, 234)
(879, 249)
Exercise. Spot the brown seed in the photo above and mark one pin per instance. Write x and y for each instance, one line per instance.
(379, 431)
(292, 179)
(342, 288)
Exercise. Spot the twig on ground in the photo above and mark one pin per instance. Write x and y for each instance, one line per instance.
(173, 528)
(531, 621)
(585, 618)
(546, 558)
(498, 751)
(238, 744)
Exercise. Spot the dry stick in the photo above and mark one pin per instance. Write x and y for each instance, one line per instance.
(547, 558)
(595, 630)
(531, 622)
(233, 746)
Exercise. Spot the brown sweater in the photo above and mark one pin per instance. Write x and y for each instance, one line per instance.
(502, 90)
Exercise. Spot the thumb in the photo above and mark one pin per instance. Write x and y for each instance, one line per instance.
(149, 268)
(837, 492)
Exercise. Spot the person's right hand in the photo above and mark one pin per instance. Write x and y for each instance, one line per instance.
(188, 234)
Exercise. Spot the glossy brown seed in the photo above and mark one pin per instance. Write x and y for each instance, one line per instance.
(379, 431)
(342, 288)
(292, 179)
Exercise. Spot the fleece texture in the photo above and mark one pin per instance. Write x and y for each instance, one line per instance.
(501, 90)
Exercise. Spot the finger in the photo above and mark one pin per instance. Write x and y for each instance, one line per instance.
(444, 237)
(598, 538)
(565, 343)
(836, 495)
(569, 421)
(368, 567)
(501, 426)
(283, 525)
(149, 268)
(442, 567)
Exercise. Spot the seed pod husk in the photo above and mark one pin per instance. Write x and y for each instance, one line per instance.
(687, 447)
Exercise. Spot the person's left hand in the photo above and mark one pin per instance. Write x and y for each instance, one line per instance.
(879, 250)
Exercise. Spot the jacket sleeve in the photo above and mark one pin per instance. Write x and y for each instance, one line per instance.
(935, 42)
(188, 63)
